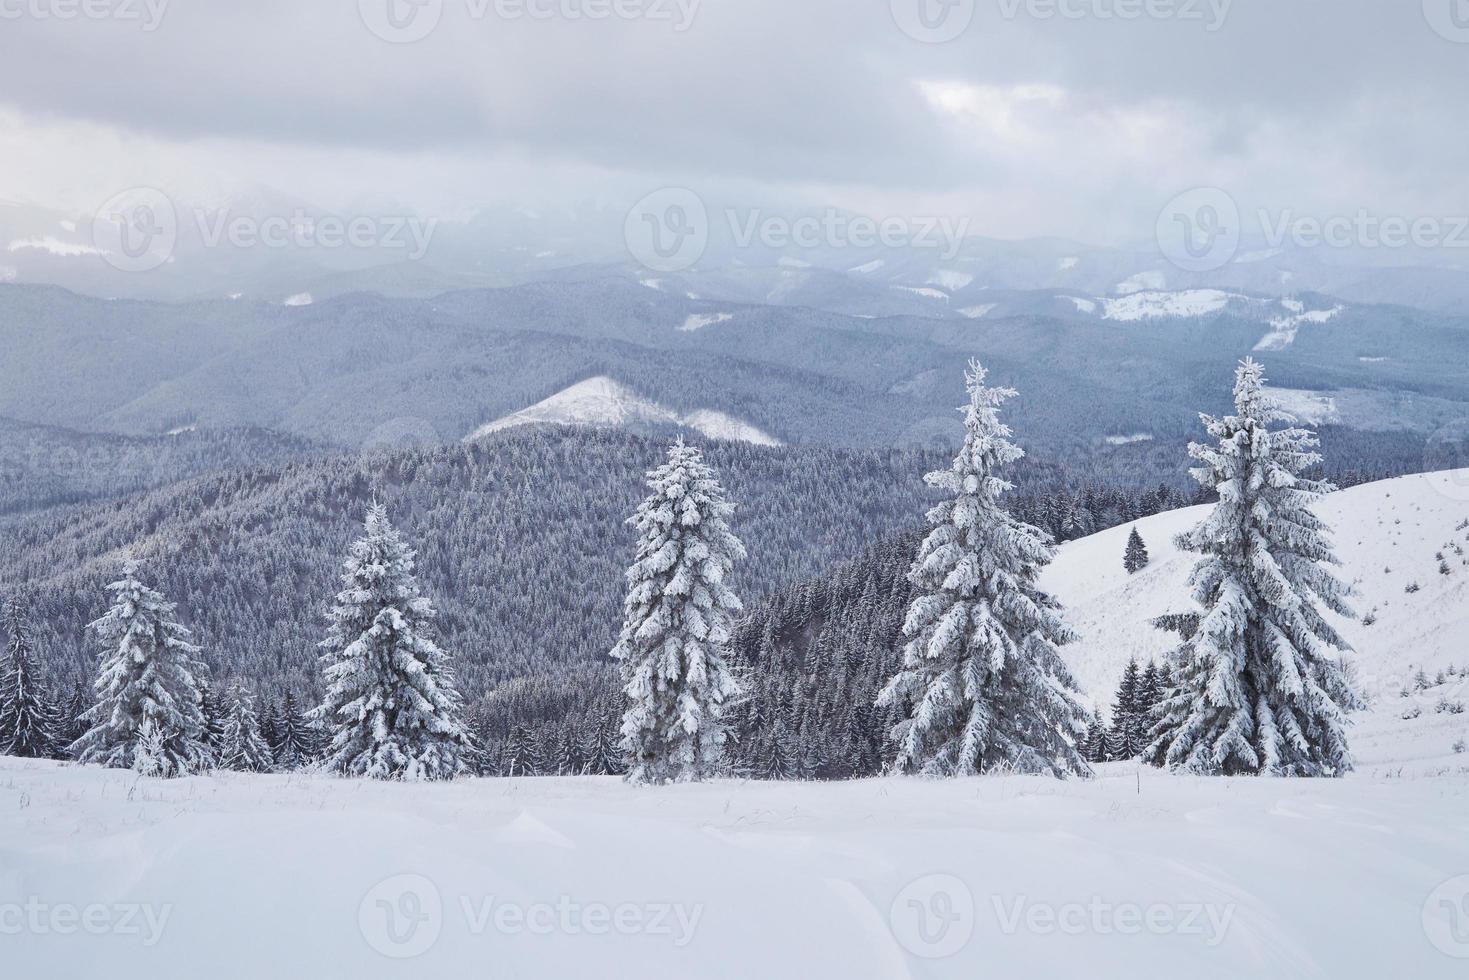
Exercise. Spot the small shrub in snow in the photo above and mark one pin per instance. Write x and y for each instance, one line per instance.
(1412, 713)
(1412, 588)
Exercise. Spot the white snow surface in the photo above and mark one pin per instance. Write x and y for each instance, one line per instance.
(698, 321)
(1313, 407)
(1284, 328)
(1083, 305)
(978, 312)
(1158, 305)
(53, 246)
(950, 280)
(1129, 440)
(1134, 874)
(603, 402)
(925, 292)
(299, 299)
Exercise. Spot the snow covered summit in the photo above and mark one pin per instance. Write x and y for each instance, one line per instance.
(602, 402)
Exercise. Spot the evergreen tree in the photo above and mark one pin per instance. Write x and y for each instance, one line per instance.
(295, 744)
(71, 720)
(147, 675)
(523, 753)
(244, 748)
(982, 679)
(214, 708)
(1150, 693)
(27, 715)
(606, 752)
(1136, 557)
(1127, 719)
(391, 699)
(1096, 741)
(676, 624)
(1256, 687)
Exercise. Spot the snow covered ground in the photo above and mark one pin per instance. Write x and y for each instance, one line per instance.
(1135, 874)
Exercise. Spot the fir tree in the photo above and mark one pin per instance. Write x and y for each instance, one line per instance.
(982, 679)
(27, 715)
(147, 675)
(244, 748)
(522, 753)
(71, 723)
(606, 751)
(1096, 741)
(214, 708)
(295, 742)
(1128, 715)
(1256, 686)
(391, 700)
(1136, 557)
(676, 624)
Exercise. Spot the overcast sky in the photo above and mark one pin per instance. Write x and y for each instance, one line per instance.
(1073, 126)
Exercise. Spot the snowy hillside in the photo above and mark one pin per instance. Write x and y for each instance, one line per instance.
(601, 402)
(1388, 537)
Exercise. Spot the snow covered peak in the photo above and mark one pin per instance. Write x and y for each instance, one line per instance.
(602, 402)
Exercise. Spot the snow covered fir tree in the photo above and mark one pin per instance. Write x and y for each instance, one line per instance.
(27, 716)
(983, 686)
(676, 629)
(1135, 558)
(1257, 685)
(242, 747)
(148, 706)
(391, 700)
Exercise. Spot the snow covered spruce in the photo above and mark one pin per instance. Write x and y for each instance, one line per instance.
(27, 727)
(147, 713)
(982, 681)
(242, 746)
(1257, 685)
(677, 624)
(391, 701)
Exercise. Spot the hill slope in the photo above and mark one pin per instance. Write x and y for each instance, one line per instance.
(1388, 535)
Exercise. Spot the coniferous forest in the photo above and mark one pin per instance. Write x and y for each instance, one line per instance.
(816, 684)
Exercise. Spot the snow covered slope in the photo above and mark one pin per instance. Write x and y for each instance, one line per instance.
(1387, 534)
(603, 402)
(1136, 874)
